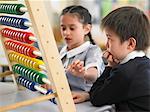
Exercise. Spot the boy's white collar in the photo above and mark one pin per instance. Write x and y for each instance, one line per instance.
(132, 55)
(74, 51)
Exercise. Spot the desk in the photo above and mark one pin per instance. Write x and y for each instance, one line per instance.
(9, 95)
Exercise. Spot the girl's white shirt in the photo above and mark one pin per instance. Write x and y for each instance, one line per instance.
(91, 54)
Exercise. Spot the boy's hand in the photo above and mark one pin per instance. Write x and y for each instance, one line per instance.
(77, 68)
(79, 97)
(110, 59)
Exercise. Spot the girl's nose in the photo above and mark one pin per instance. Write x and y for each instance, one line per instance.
(67, 32)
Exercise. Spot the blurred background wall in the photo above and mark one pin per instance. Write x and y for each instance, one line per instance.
(98, 9)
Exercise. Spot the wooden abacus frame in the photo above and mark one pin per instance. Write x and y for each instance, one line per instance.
(50, 55)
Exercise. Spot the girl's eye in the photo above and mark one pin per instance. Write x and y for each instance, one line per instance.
(72, 29)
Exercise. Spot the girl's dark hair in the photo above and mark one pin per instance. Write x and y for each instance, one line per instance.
(129, 22)
(83, 15)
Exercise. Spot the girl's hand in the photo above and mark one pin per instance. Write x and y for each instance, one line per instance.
(79, 97)
(110, 59)
(77, 68)
(46, 86)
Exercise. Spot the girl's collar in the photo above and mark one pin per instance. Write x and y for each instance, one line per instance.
(74, 51)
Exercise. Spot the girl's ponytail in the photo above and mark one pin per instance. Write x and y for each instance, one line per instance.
(91, 39)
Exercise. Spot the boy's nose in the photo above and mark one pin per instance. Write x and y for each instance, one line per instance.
(107, 45)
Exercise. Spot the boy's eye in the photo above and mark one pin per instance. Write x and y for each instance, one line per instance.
(107, 35)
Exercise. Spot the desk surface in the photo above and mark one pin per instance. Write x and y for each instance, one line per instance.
(10, 95)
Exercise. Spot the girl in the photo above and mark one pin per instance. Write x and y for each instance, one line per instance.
(76, 25)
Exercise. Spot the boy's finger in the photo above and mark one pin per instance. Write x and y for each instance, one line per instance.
(106, 54)
(110, 58)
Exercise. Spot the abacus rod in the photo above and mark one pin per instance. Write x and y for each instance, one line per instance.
(42, 67)
(28, 102)
(28, 24)
(45, 80)
(33, 38)
(42, 90)
(23, 9)
(37, 53)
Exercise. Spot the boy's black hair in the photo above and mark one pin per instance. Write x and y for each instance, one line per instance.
(83, 15)
(129, 22)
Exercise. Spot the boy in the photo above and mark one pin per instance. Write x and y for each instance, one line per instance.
(125, 81)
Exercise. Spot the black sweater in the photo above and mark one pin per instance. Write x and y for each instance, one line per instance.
(126, 85)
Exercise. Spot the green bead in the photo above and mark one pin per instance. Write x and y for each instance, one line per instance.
(11, 9)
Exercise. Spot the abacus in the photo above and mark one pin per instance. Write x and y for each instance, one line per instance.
(23, 57)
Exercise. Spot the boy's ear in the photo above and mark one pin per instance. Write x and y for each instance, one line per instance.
(131, 43)
(87, 28)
